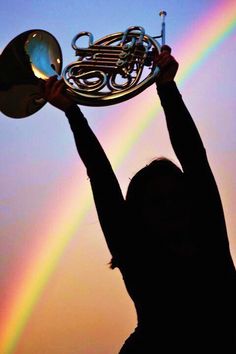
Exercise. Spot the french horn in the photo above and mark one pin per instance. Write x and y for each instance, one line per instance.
(110, 70)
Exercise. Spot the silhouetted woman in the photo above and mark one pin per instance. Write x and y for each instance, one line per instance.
(168, 236)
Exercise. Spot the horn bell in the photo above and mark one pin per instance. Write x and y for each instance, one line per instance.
(29, 59)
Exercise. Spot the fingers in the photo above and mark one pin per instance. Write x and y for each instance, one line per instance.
(59, 87)
(165, 52)
(167, 64)
(53, 87)
(48, 85)
(164, 59)
(55, 93)
(166, 48)
(173, 68)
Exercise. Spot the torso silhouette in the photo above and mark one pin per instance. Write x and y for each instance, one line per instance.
(184, 291)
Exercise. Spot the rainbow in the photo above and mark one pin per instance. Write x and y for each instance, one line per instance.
(192, 51)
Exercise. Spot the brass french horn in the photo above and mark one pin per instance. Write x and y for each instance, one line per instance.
(110, 70)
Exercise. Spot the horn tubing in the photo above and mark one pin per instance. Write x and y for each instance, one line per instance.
(163, 27)
(117, 59)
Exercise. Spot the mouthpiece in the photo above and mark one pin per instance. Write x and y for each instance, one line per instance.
(163, 13)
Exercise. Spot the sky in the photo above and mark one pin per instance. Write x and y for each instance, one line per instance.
(58, 295)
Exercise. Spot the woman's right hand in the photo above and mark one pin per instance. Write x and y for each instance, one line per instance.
(167, 64)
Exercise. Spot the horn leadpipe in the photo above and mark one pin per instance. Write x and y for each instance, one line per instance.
(163, 27)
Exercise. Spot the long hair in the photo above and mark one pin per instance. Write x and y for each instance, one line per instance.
(136, 190)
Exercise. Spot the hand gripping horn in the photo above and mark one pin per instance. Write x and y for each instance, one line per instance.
(110, 70)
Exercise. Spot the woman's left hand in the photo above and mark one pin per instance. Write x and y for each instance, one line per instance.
(55, 93)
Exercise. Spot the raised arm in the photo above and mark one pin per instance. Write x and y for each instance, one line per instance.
(184, 136)
(107, 194)
(189, 149)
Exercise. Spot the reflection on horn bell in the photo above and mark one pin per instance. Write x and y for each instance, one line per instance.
(25, 63)
(110, 70)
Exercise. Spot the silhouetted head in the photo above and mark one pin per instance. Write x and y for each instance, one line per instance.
(157, 198)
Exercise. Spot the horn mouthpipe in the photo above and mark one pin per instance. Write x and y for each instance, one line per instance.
(163, 27)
